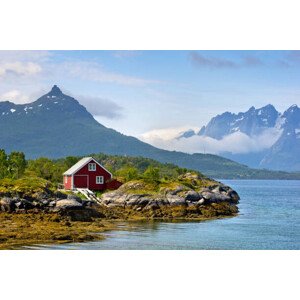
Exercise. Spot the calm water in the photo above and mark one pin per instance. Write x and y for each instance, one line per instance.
(269, 219)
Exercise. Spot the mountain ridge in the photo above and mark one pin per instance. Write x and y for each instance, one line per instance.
(254, 122)
(57, 125)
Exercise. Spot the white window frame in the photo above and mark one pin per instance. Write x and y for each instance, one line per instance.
(92, 167)
(99, 179)
(66, 179)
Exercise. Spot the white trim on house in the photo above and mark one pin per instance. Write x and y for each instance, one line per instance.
(99, 179)
(80, 164)
(92, 167)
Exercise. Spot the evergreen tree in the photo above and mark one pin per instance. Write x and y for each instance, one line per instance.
(3, 164)
(16, 164)
(151, 174)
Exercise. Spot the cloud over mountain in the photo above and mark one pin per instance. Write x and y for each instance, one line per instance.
(236, 142)
(101, 107)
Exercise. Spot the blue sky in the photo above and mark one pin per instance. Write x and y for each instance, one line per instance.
(140, 91)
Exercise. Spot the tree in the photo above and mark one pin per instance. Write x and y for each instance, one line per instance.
(3, 164)
(70, 161)
(151, 174)
(128, 173)
(16, 164)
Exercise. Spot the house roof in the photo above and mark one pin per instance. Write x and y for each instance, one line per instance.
(81, 164)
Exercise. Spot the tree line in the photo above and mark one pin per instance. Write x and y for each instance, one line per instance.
(124, 168)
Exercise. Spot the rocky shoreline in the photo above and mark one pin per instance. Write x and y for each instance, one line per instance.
(180, 201)
(135, 199)
(71, 218)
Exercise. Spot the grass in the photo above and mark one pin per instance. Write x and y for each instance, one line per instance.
(25, 186)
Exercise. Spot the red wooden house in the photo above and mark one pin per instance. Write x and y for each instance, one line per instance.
(89, 174)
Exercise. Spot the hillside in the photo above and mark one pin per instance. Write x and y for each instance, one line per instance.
(57, 125)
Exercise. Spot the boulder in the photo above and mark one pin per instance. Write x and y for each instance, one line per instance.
(207, 195)
(175, 200)
(234, 197)
(52, 203)
(25, 204)
(201, 201)
(7, 204)
(114, 198)
(177, 190)
(192, 196)
(68, 204)
(74, 197)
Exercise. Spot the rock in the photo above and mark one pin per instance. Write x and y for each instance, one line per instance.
(177, 190)
(152, 205)
(41, 195)
(162, 202)
(215, 197)
(114, 198)
(7, 204)
(216, 190)
(68, 204)
(205, 190)
(52, 203)
(233, 196)
(60, 195)
(189, 176)
(133, 200)
(24, 204)
(201, 201)
(44, 202)
(192, 196)
(74, 197)
(207, 195)
(175, 200)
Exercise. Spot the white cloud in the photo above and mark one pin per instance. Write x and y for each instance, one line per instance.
(235, 143)
(14, 96)
(95, 72)
(19, 68)
(101, 107)
(165, 134)
(126, 53)
(24, 55)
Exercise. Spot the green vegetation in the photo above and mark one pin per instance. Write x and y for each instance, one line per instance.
(35, 176)
(12, 165)
(24, 187)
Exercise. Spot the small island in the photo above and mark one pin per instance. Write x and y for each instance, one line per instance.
(37, 209)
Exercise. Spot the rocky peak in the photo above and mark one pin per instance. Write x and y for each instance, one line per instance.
(55, 91)
(292, 116)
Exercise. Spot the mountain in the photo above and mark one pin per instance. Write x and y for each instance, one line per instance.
(57, 125)
(285, 153)
(260, 125)
(252, 122)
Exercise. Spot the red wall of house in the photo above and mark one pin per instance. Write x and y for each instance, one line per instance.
(91, 177)
(68, 184)
(113, 184)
